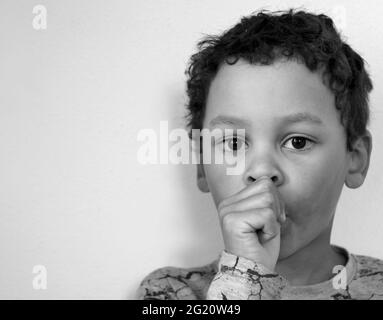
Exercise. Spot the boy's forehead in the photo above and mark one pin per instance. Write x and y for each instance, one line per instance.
(285, 91)
(282, 78)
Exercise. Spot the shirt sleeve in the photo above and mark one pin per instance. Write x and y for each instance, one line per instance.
(166, 284)
(239, 278)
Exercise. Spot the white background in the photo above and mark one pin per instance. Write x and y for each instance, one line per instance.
(72, 99)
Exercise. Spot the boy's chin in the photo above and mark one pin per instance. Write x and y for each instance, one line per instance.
(286, 249)
(285, 253)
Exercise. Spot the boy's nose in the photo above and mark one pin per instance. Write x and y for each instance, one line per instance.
(265, 166)
(250, 179)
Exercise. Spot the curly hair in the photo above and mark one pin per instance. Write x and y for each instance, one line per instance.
(266, 36)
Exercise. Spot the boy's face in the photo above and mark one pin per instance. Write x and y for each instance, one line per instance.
(309, 173)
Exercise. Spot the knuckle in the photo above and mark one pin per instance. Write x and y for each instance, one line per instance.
(222, 204)
(222, 211)
(267, 184)
(266, 188)
(268, 214)
(228, 220)
(265, 180)
(268, 199)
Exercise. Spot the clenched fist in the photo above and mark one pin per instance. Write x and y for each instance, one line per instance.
(251, 221)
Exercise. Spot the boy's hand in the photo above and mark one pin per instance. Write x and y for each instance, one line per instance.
(250, 222)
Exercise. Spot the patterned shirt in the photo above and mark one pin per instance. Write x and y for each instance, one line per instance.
(231, 277)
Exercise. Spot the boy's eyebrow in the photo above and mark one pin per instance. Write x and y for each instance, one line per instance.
(244, 123)
(231, 121)
(301, 117)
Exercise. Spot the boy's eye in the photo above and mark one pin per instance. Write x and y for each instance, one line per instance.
(299, 143)
(233, 144)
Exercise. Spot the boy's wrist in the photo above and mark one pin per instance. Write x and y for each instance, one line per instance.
(246, 278)
(239, 264)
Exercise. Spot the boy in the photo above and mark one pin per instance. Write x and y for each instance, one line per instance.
(301, 94)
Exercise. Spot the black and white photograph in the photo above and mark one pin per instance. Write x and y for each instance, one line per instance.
(191, 150)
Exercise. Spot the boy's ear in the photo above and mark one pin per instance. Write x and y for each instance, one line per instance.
(360, 161)
(201, 179)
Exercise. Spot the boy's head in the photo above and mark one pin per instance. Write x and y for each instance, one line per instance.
(301, 94)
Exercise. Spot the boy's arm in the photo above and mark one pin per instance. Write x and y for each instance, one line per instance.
(239, 278)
